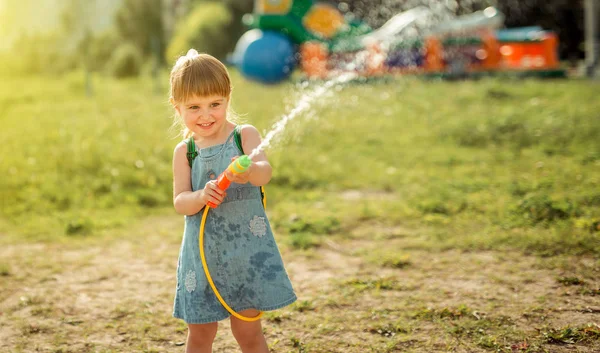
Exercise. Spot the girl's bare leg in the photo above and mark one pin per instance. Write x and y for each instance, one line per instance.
(249, 335)
(200, 337)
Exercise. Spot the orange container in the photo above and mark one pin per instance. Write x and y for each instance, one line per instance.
(491, 56)
(538, 54)
(434, 61)
(314, 56)
(550, 44)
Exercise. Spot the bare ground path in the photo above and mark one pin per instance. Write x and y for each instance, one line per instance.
(116, 296)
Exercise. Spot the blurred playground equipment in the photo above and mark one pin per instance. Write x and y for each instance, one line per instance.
(324, 42)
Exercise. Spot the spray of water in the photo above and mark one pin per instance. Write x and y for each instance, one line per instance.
(420, 20)
(303, 104)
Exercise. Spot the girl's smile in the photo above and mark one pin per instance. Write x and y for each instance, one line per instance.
(206, 126)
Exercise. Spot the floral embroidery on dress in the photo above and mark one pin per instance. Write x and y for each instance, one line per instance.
(190, 281)
(258, 226)
(211, 175)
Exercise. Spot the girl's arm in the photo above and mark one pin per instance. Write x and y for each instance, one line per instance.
(260, 171)
(186, 201)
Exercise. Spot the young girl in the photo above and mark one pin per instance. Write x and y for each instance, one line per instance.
(241, 254)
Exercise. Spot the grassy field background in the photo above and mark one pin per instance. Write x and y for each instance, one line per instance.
(413, 215)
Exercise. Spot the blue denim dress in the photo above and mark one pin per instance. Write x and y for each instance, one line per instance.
(241, 253)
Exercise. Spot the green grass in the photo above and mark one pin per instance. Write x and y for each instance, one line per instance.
(489, 164)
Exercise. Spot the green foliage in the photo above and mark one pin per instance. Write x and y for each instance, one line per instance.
(240, 6)
(4, 270)
(540, 208)
(125, 62)
(444, 313)
(326, 225)
(205, 29)
(394, 260)
(570, 281)
(305, 234)
(84, 166)
(140, 22)
(571, 335)
(297, 343)
(54, 37)
(82, 226)
(388, 329)
(33, 54)
(150, 199)
(102, 48)
(361, 285)
(522, 121)
(303, 241)
(303, 305)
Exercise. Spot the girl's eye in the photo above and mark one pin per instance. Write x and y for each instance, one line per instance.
(214, 105)
(194, 107)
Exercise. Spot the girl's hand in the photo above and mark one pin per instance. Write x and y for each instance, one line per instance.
(212, 193)
(239, 178)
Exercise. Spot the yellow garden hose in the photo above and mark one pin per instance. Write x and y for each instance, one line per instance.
(209, 278)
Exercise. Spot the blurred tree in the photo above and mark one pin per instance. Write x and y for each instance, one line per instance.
(215, 33)
(241, 6)
(38, 53)
(244, 6)
(26, 17)
(139, 22)
(125, 62)
(35, 45)
(236, 28)
(101, 48)
(204, 29)
(172, 12)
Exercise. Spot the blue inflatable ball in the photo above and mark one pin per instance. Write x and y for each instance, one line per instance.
(264, 56)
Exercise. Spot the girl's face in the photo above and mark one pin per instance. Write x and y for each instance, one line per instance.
(204, 116)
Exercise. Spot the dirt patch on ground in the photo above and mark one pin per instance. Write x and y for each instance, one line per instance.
(116, 296)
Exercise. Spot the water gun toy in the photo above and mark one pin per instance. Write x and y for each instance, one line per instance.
(238, 166)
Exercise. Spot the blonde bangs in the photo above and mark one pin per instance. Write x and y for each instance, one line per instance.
(202, 75)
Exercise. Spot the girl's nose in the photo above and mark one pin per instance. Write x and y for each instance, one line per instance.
(203, 113)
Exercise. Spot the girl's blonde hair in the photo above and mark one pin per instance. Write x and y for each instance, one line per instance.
(201, 75)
